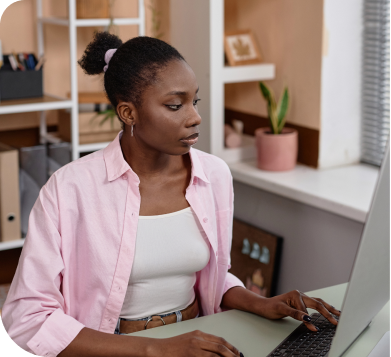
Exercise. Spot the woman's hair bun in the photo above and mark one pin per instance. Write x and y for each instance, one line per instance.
(93, 59)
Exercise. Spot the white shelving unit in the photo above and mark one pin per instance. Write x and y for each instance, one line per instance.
(203, 49)
(73, 23)
(12, 244)
(52, 102)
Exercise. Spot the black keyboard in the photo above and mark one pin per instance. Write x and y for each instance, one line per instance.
(303, 342)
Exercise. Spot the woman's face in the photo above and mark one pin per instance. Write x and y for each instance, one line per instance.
(168, 120)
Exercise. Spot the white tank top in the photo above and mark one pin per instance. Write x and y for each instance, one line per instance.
(170, 249)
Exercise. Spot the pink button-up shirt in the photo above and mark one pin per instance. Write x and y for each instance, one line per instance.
(80, 246)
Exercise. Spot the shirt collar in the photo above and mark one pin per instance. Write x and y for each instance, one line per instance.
(116, 165)
(196, 167)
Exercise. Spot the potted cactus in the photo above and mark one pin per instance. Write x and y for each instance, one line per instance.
(277, 146)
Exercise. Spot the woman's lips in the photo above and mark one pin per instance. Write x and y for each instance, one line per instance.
(190, 140)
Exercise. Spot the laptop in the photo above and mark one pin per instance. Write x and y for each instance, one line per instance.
(368, 288)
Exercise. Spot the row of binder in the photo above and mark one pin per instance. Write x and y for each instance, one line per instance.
(23, 172)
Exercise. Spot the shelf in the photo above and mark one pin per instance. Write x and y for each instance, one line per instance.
(245, 152)
(93, 147)
(249, 73)
(11, 244)
(346, 191)
(47, 102)
(89, 22)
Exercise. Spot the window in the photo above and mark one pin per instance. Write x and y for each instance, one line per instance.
(376, 81)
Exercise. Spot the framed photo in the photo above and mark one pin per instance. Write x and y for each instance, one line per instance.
(241, 48)
(255, 258)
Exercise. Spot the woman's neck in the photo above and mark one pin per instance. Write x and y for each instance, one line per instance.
(147, 162)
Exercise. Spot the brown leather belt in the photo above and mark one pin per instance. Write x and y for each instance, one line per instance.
(188, 313)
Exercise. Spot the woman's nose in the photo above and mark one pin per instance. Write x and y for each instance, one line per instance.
(195, 118)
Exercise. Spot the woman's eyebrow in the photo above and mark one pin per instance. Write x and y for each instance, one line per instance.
(181, 92)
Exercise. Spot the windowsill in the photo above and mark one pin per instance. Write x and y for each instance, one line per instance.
(346, 191)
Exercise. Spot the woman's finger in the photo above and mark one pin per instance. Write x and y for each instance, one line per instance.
(317, 304)
(298, 303)
(299, 315)
(217, 348)
(220, 341)
(329, 307)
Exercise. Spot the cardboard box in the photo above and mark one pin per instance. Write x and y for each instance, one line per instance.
(10, 228)
(90, 131)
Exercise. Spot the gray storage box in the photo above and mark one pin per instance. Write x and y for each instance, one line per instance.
(19, 84)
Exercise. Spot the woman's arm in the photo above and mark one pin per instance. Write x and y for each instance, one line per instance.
(293, 304)
(92, 343)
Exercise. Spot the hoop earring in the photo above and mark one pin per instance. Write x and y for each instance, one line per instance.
(131, 131)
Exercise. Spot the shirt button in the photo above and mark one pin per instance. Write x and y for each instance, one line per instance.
(124, 177)
(109, 320)
(205, 220)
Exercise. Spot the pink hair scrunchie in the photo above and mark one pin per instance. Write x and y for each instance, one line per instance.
(108, 55)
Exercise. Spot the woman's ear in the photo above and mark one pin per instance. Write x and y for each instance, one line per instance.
(127, 113)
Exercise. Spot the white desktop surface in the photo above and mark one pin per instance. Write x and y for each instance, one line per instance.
(255, 336)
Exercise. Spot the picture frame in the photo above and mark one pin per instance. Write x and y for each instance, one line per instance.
(241, 48)
(255, 258)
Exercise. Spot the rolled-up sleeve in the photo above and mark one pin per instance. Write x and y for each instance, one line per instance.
(33, 314)
(232, 281)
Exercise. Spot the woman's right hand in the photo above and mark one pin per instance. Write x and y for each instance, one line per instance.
(193, 344)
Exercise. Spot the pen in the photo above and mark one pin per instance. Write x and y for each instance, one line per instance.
(1, 56)
(13, 62)
(40, 63)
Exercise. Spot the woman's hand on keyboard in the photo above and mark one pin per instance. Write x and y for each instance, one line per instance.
(295, 304)
(195, 343)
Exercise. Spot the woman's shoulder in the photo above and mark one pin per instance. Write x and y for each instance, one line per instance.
(79, 170)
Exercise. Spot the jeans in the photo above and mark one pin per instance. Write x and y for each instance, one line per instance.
(177, 313)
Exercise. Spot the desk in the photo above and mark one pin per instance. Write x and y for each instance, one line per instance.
(255, 336)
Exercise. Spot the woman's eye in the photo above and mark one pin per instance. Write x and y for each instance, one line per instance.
(195, 102)
(174, 107)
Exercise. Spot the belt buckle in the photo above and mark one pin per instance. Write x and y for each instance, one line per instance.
(150, 319)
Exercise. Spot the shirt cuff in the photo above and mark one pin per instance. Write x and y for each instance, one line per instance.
(231, 281)
(56, 333)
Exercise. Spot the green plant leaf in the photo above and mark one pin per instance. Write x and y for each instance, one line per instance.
(271, 106)
(109, 114)
(273, 117)
(282, 109)
(266, 91)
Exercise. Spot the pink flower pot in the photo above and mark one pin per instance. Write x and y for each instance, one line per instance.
(276, 152)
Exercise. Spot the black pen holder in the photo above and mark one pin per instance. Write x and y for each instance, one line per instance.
(19, 84)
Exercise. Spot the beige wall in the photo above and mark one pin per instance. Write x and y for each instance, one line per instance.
(288, 32)
(18, 32)
(290, 36)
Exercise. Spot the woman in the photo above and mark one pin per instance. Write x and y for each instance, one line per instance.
(84, 279)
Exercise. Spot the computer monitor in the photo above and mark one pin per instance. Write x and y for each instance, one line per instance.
(369, 284)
